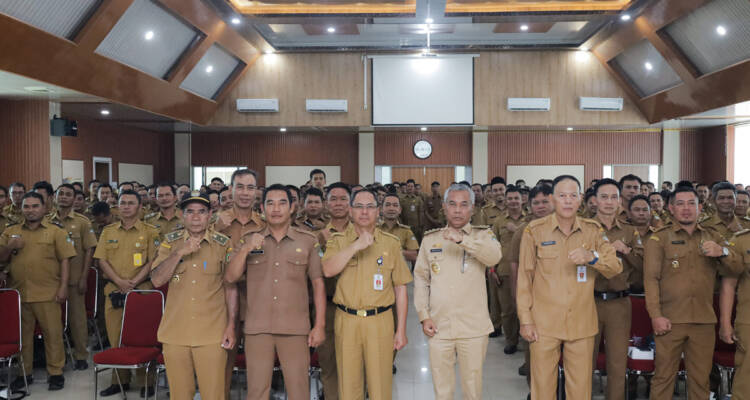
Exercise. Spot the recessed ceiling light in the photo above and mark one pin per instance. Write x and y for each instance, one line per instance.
(648, 66)
(104, 112)
(429, 20)
(424, 369)
(625, 17)
(209, 69)
(268, 52)
(331, 29)
(582, 55)
(721, 30)
(424, 128)
(149, 35)
(236, 21)
(282, 129)
(524, 28)
(569, 128)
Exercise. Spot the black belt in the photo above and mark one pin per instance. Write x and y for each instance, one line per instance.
(364, 313)
(610, 295)
(329, 298)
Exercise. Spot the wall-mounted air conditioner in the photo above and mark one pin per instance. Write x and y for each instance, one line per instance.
(528, 104)
(326, 105)
(601, 103)
(258, 105)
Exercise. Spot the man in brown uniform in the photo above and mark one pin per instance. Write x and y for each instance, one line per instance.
(723, 221)
(372, 276)
(38, 253)
(561, 256)
(502, 302)
(448, 296)
(630, 185)
(660, 216)
(313, 218)
(391, 209)
(225, 198)
(318, 179)
(4, 199)
(13, 210)
(496, 206)
(433, 207)
(167, 219)
(679, 273)
(412, 210)
(278, 260)
(199, 317)
(611, 294)
(706, 201)
(743, 203)
(125, 252)
(235, 223)
(80, 232)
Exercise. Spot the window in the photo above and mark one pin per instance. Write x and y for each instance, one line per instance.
(741, 161)
(203, 175)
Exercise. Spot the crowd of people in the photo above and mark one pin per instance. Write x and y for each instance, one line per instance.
(277, 271)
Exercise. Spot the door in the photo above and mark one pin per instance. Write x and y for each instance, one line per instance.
(424, 176)
(103, 169)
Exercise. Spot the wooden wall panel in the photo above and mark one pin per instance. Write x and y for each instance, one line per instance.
(122, 144)
(24, 141)
(593, 149)
(397, 148)
(258, 150)
(560, 75)
(425, 176)
(703, 156)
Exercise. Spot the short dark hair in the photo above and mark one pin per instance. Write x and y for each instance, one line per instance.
(723, 186)
(668, 183)
(392, 194)
(435, 183)
(79, 184)
(745, 192)
(606, 181)
(216, 178)
(536, 190)
(682, 189)
(100, 208)
(78, 192)
(339, 185)
(496, 180)
(684, 183)
(34, 195)
(169, 185)
(45, 186)
(631, 177)
(588, 194)
(4, 190)
(408, 181)
(222, 190)
(242, 172)
(17, 184)
(129, 192)
(513, 189)
(293, 188)
(701, 184)
(66, 186)
(104, 186)
(313, 191)
(354, 196)
(563, 178)
(278, 187)
(317, 171)
(636, 198)
(655, 194)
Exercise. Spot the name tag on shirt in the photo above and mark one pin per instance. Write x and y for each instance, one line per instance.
(678, 242)
(256, 251)
(413, 207)
(550, 243)
(377, 281)
(137, 259)
(436, 250)
(581, 276)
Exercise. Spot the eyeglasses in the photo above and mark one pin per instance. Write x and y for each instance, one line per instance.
(368, 207)
(202, 211)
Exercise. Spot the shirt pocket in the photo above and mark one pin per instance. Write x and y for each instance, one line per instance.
(296, 268)
(47, 247)
(547, 258)
(256, 266)
(676, 259)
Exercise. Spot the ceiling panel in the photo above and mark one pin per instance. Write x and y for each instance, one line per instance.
(14, 86)
(60, 18)
(148, 38)
(646, 69)
(211, 72)
(714, 36)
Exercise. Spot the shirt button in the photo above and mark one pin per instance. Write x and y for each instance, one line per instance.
(193, 299)
(193, 282)
(274, 297)
(276, 264)
(194, 265)
(275, 281)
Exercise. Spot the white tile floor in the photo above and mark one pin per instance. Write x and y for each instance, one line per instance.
(413, 380)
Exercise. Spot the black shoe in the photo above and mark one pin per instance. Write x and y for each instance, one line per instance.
(18, 384)
(56, 382)
(523, 370)
(510, 349)
(114, 389)
(394, 369)
(495, 333)
(150, 392)
(80, 365)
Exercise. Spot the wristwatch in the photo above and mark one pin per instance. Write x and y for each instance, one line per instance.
(596, 258)
(724, 252)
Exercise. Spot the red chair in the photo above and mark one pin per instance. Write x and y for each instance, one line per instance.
(240, 365)
(92, 303)
(724, 354)
(139, 347)
(640, 326)
(10, 335)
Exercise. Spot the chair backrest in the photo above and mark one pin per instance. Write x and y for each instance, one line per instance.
(92, 293)
(10, 316)
(141, 317)
(641, 322)
(720, 344)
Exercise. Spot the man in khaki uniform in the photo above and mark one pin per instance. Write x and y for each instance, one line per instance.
(448, 296)
(612, 302)
(372, 276)
(38, 253)
(391, 209)
(495, 207)
(660, 216)
(198, 322)
(706, 201)
(125, 252)
(80, 232)
(4, 199)
(93, 190)
(279, 260)
(630, 185)
(312, 218)
(433, 208)
(168, 218)
(743, 204)
(412, 210)
(502, 301)
(561, 256)
(13, 210)
(723, 221)
(680, 269)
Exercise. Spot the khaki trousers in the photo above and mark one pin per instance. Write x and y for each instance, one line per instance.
(545, 356)
(471, 353)
(231, 357)
(741, 385)
(327, 356)
(697, 342)
(614, 323)
(49, 316)
(113, 318)
(294, 357)
(508, 314)
(184, 363)
(79, 330)
(364, 348)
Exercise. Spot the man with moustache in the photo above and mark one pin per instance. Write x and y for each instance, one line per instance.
(743, 203)
(630, 185)
(168, 219)
(496, 206)
(312, 218)
(225, 198)
(723, 221)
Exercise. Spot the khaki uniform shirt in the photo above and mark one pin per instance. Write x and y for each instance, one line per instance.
(553, 292)
(678, 279)
(196, 309)
(412, 208)
(310, 224)
(449, 282)
(229, 225)
(433, 206)
(490, 213)
(82, 235)
(355, 287)
(476, 214)
(741, 244)
(403, 233)
(330, 283)
(4, 222)
(127, 250)
(505, 236)
(277, 276)
(13, 214)
(35, 269)
(724, 229)
(163, 224)
(621, 216)
(631, 262)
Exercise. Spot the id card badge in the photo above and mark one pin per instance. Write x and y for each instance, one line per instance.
(377, 281)
(137, 259)
(413, 208)
(581, 275)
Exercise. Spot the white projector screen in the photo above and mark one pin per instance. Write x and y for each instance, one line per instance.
(423, 90)
(532, 173)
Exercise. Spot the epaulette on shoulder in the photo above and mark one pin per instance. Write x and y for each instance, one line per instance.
(481, 227)
(488, 205)
(304, 231)
(431, 231)
(591, 221)
(11, 223)
(112, 225)
(534, 223)
(218, 238)
(742, 232)
(171, 237)
(657, 230)
(745, 218)
(392, 236)
(55, 223)
(79, 215)
(404, 226)
(150, 225)
(149, 216)
(337, 234)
